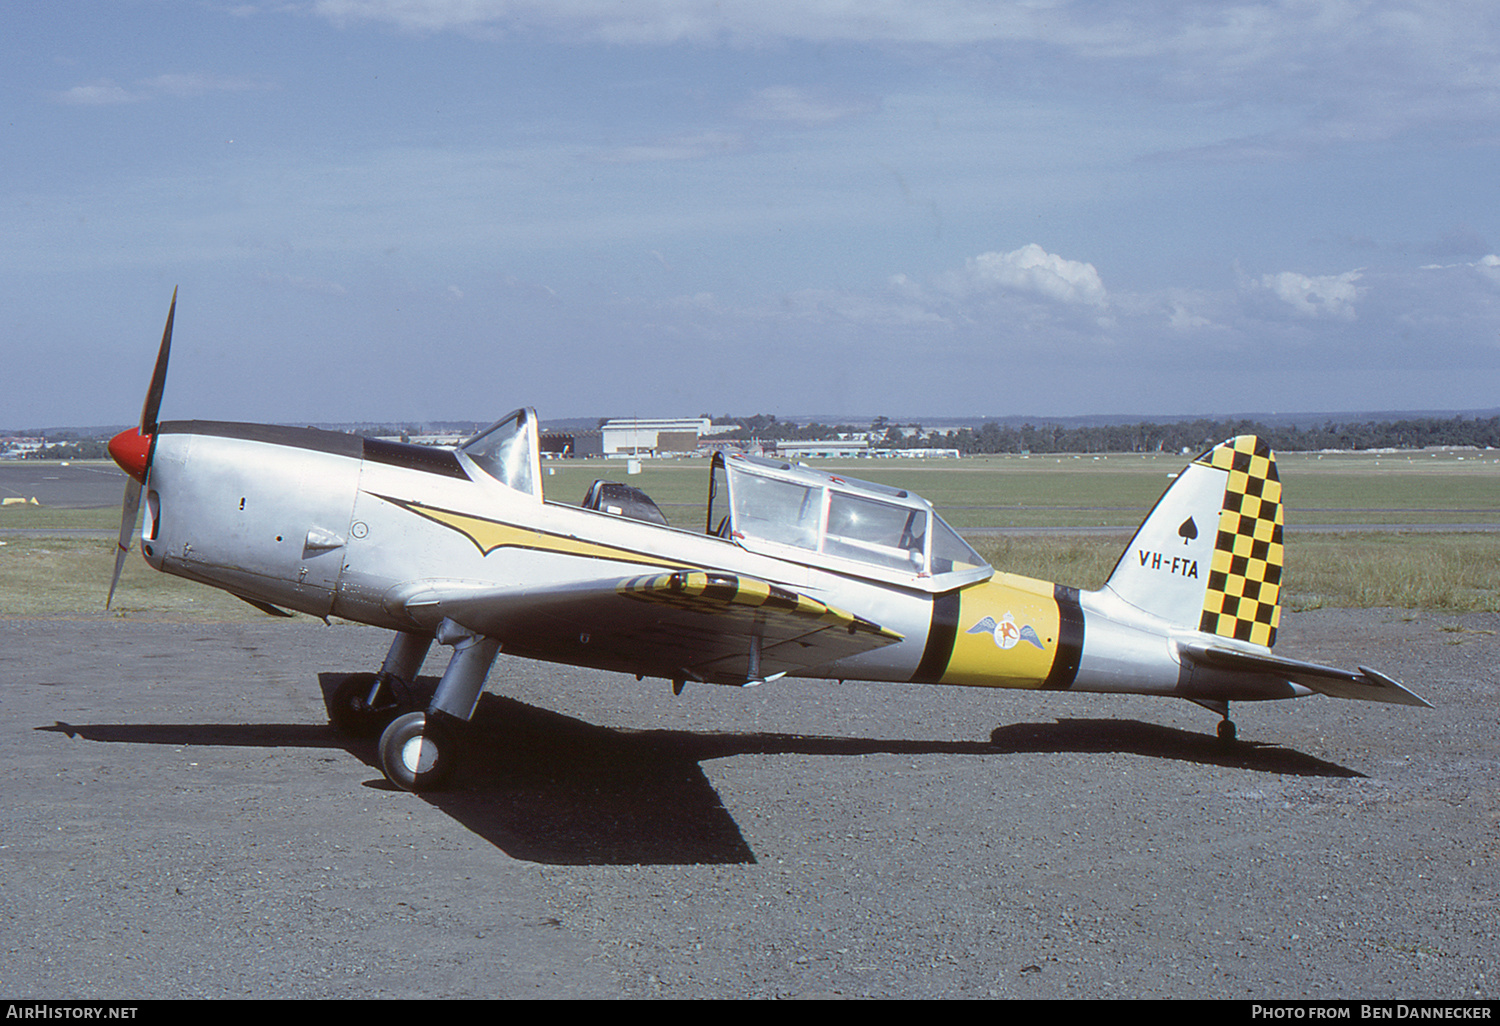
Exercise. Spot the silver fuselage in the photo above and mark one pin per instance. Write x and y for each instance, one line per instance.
(331, 524)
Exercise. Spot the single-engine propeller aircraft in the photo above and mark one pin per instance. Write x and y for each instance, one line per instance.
(797, 573)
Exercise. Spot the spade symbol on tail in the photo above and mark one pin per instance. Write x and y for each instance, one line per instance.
(1187, 531)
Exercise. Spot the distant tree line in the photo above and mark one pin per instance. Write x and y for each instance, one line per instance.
(993, 437)
(74, 449)
(1194, 435)
(66, 445)
(882, 431)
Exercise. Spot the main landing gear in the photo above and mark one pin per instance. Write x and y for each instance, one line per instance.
(417, 752)
(365, 703)
(418, 749)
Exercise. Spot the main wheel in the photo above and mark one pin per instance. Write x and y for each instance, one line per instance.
(352, 713)
(1227, 733)
(417, 753)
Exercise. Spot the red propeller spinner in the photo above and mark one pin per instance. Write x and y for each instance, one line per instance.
(131, 449)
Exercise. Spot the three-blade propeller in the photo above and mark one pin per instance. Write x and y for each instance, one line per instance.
(131, 449)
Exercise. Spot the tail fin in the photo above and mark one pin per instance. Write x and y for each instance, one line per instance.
(1209, 554)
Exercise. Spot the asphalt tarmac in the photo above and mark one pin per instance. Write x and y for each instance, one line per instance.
(62, 484)
(179, 821)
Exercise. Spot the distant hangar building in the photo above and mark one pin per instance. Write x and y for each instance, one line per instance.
(569, 444)
(653, 437)
(830, 449)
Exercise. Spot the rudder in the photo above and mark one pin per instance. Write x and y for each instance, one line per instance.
(1209, 555)
(1244, 585)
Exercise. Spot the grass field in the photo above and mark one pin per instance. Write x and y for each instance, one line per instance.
(58, 574)
(1111, 491)
(1440, 572)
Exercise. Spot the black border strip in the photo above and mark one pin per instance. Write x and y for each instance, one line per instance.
(940, 638)
(1069, 639)
(425, 458)
(335, 442)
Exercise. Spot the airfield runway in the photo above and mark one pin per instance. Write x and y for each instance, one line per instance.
(62, 485)
(179, 821)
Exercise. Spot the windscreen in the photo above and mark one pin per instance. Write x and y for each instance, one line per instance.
(950, 552)
(507, 452)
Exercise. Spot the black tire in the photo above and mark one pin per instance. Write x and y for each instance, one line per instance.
(351, 713)
(1227, 733)
(417, 753)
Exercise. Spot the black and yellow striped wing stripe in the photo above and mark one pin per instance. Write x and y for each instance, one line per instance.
(712, 593)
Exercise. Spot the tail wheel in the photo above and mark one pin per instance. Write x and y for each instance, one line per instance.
(417, 753)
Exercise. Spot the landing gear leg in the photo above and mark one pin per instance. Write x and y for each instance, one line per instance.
(1227, 732)
(405, 658)
(418, 751)
(362, 705)
(366, 702)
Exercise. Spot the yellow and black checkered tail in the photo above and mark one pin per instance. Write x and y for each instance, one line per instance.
(1209, 555)
(1244, 580)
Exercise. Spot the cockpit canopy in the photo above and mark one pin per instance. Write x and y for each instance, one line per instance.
(780, 509)
(509, 452)
(861, 527)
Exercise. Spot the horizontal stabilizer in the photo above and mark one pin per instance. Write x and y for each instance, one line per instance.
(1364, 684)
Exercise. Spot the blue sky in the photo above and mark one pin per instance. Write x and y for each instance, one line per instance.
(444, 209)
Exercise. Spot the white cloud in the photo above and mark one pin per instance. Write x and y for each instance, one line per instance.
(686, 147)
(197, 84)
(1183, 319)
(98, 94)
(178, 85)
(801, 106)
(299, 283)
(943, 22)
(1488, 267)
(862, 308)
(1345, 71)
(1032, 269)
(1330, 295)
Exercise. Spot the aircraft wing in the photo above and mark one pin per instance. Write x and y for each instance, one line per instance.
(1365, 684)
(687, 625)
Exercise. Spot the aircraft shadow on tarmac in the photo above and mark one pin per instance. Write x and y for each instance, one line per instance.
(552, 789)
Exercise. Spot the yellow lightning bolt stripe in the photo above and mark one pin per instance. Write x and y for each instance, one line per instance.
(489, 535)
